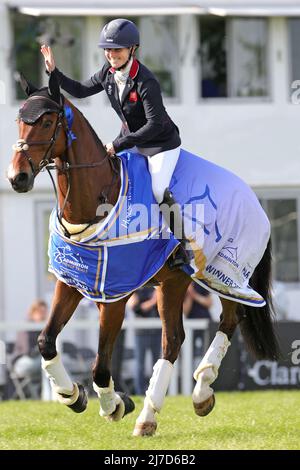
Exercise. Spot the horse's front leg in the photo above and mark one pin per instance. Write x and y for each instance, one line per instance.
(170, 296)
(207, 371)
(64, 303)
(113, 405)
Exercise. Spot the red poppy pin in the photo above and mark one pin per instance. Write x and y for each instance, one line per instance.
(133, 97)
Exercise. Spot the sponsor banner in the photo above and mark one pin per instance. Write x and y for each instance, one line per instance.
(239, 371)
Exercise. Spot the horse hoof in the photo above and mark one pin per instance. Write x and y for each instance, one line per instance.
(126, 406)
(81, 403)
(144, 429)
(205, 407)
(129, 404)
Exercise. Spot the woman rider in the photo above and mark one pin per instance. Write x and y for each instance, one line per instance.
(135, 95)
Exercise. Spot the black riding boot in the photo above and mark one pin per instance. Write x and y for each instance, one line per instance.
(175, 222)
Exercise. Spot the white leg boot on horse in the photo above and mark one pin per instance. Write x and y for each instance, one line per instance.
(146, 423)
(170, 294)
(66, 392)
(113, 406)
(207, 372)
(65, 301)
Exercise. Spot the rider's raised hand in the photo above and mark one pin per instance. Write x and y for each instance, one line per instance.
(110, 149)
(49, 57)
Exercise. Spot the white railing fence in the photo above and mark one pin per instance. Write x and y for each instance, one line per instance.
(183, 366)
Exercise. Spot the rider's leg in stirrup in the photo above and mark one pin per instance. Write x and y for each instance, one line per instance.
(173, 216)
(161, 167)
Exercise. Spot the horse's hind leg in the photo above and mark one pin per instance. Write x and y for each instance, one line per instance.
(113, 405)
(64, 303)
(170, 295)
(207, 371)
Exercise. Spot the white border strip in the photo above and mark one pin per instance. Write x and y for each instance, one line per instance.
(104, 269)
(48, 11)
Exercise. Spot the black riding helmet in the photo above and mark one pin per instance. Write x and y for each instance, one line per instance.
(118, 34)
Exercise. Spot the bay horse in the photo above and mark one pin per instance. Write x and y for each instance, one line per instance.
(87, 176)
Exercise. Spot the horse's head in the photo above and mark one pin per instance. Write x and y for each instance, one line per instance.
(40, 137)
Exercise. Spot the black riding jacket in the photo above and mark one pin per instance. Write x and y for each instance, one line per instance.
(145, 122)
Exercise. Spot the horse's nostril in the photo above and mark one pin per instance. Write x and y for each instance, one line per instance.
(21, 178)
(21, 182)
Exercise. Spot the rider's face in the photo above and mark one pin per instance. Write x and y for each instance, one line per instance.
(117, 57)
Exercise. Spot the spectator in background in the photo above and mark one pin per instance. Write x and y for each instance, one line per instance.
(197, 303)
(144, 304)
(26, 355)
(281, 301)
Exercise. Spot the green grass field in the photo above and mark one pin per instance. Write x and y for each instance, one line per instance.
(249, 420)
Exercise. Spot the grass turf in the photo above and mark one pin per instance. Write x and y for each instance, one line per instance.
(248, 420)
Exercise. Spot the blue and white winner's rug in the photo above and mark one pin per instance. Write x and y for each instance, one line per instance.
(227, 227)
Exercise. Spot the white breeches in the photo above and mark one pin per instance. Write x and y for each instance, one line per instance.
(161, 167)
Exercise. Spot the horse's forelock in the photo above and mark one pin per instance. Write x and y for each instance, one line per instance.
(38, 104)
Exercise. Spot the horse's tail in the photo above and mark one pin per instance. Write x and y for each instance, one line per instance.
(257, 323)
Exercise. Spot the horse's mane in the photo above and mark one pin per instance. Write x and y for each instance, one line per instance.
(44, 93)
(95, 135)
(93, 132)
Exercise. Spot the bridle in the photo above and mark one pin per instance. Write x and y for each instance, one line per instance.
(47, 162)
(23, 146)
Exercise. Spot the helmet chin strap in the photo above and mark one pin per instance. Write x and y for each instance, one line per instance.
(129, 57)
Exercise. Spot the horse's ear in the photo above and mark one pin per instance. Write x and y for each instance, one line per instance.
(25, 84)
(53, 88)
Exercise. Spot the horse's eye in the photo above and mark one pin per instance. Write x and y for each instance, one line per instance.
(47, 124)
